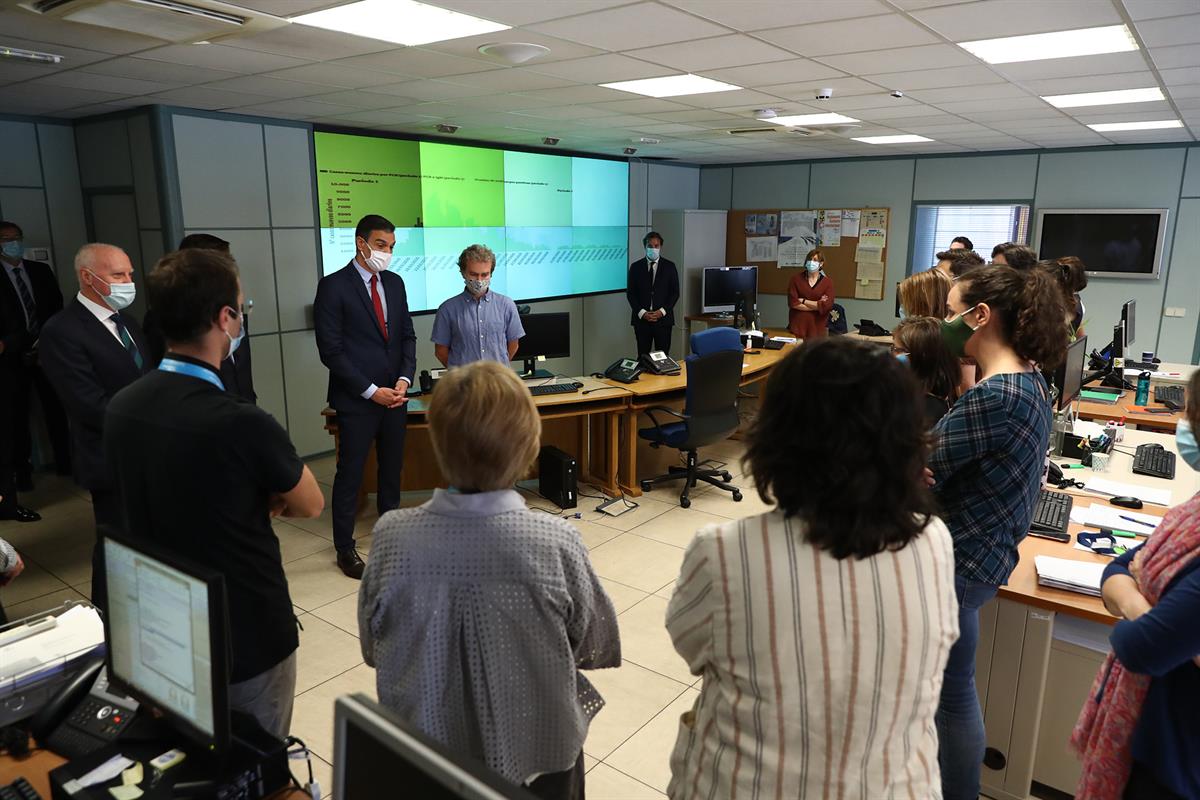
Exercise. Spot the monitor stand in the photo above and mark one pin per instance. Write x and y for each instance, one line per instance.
(530, 372)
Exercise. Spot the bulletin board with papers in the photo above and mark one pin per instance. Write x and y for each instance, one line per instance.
(853, 240)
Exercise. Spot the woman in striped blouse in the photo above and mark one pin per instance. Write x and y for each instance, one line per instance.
(821, 628)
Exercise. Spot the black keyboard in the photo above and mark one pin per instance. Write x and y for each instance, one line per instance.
(20, 789)
(1144, 366)
(1153, 460)
(553, 388)
(772, 345)
(1051, 516)
(1169, 395)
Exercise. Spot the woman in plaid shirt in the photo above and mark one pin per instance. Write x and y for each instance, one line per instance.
(988, 459)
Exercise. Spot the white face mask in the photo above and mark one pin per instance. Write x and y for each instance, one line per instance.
(377, 260)
(120, 295)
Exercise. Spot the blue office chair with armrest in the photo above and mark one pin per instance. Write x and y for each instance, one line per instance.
(710, 412)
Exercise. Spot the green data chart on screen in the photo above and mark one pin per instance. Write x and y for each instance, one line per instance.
(558, 224)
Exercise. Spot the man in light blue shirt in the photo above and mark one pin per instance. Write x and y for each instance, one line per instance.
(478, 324)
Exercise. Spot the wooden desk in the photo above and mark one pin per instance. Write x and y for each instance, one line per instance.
(1177, 374)
(1104, 412)
(566, 423)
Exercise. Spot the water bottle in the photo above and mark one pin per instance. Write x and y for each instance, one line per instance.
(1143, 389)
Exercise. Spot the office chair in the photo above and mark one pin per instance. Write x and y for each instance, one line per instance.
(710, 412)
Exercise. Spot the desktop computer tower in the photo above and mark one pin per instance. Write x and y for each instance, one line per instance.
(557, 477)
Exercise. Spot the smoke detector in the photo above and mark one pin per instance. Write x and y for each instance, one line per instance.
(446, 127)
(514, 52)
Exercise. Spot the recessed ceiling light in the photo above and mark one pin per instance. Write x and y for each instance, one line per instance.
(401, 21)
(1060, 44)
(811, 119)
(904, 138)
(1105, 98)
(671, 86)
(514, 52)
(1149, 125)
(29, 55)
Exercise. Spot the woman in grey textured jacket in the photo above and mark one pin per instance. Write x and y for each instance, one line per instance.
(479, 614)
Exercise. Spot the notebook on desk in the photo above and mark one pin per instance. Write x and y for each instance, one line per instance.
(1073, 576)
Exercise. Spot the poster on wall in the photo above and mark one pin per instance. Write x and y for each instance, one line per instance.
(762, 248)
(831, 228)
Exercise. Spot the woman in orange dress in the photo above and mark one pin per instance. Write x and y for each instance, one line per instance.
(810, 299)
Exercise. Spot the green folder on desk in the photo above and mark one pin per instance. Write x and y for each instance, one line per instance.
(1100, 397)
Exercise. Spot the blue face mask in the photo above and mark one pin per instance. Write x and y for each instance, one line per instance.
(1185, 442)
(13, 249)
(652, 253)
(902, 313)
(812, 266)
(902, 358)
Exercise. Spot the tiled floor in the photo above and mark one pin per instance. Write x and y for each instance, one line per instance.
(637, 554)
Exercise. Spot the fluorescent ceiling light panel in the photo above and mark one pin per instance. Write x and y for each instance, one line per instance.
(7, 52)
(671, 86)
(1105, 98)
(810, 119)
(400, 21)
(904, 138)
(1060, 44)
(1150, 125)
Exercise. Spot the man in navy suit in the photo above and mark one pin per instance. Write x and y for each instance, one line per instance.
(653, 290)
(90, 351)
(29, 297)
(365, 337)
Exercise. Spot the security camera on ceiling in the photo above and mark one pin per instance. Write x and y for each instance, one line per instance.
(897, 94)
(629, 151)
(550, 140)
(446, 127)
(824, 94)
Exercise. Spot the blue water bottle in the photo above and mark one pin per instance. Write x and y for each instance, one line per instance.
(1143, 389)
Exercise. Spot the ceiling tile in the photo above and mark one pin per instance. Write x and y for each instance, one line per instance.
(217, 56)
(619, 121)
(1024, 103)
(560, 49)
(641, 106)
(933, 56)
(850, 36)
(107, 83)
(992, 19)
(758, 75)
(374, 118)
(72, 56)
(711, 54)
(37, 94)
(628, 27)
(416, 62)
(940, 129)
(27, 25)
(526, 12)
(958, 93)
(607, 68)
(1092, 83)
(364, 100)
(333, 75)
(200, 97)
(297, 109)
(583, 93)
(902, 111)
(268, 87)
(289, 8)
(78, 112)
(565, 113)
(725, 100)
(1180, 77)
(1179, 56)
(670, 127)
(309, 43)
(145, 69)
(429, 90)
(1047, 112)
(13, 71)
(753, 15)
(693, 116)
(1132, 114)
(510, 80)
(1107, 64)
(936, 78)
(1152, 9)
(1170, 31)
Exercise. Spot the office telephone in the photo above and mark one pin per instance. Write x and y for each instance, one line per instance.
(84, 716)
(660, 363)
(625, 370)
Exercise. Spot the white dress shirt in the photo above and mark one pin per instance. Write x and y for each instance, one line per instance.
(366, 276)
(653, 277)
(102, 313)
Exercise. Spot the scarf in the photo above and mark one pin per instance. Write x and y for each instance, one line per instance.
(1103, 736)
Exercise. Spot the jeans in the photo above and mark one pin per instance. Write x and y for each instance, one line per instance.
(959, 718)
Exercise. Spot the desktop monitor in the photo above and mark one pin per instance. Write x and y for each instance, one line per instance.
(1127, 317)
(1069, 377)
(168, 638)
(369, 741)
(722, 287)
(546, 335)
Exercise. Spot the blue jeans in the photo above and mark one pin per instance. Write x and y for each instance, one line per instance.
(959, 719)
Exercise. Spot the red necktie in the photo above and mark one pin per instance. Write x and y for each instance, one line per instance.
(378, 301)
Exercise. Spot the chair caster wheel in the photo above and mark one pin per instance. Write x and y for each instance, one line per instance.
(737, 497)
(684, 502)
(725, 476)
(645, 486)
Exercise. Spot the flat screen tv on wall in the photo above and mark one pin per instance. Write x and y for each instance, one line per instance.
(1112, 242)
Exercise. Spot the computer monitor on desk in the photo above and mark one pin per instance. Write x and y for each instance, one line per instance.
(1069, 377)
(546, 335)
(377, 756)
(722, 288)
(167, 638)
(1128, 320)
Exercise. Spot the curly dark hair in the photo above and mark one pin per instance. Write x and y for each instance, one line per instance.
(930, 359)
(1030, 305)
(862, 490)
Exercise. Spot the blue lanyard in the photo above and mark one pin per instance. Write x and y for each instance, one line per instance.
(184, 368)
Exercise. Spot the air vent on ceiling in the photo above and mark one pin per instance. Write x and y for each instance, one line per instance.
(169, 20)
(754, 131)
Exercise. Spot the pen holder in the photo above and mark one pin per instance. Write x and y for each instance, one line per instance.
(1100, 462)
(1072, 446)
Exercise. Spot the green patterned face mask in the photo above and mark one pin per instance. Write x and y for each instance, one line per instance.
(956, 332)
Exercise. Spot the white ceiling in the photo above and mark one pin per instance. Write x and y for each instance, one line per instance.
(780, 50)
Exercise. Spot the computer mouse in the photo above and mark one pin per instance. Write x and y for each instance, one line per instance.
(1126, 502)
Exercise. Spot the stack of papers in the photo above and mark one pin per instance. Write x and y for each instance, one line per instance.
(1098, 515)
(1073, 576)
(784, 339)
(76, 633)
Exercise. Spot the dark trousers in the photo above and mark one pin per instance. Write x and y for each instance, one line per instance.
(1143, 785)
(653, 336)
(356, 432)
(565, 785)
(28, 380)
(109, 514)
(8, 487)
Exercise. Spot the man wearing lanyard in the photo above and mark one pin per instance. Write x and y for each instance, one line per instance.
(478, 324)
(202, 472)
(365, 337)
(90, 351)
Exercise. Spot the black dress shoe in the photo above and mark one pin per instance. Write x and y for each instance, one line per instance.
(351, 563)
(20, 514)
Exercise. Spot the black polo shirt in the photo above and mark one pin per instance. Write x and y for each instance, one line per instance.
(197, 467)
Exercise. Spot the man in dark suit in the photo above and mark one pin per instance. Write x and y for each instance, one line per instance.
(653, 291)
(90, 352)
(365, 337)
(30, 295)
(236, 371)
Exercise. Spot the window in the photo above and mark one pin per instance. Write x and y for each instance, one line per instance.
(985, 226)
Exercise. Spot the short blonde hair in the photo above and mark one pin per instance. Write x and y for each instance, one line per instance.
(924, 294)
(484, 427)
(476, 254)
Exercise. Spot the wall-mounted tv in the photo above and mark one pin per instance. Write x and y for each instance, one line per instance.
(1112, 242)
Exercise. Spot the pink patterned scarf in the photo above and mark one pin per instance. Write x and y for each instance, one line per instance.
(1103, 736)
